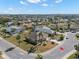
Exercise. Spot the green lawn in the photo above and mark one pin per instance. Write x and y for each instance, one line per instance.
(72, 56)
(77, 36)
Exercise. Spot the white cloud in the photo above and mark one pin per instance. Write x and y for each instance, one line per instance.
(58, 1)
(34, 1)
(44, 4)
(22, 2)
(10, 9)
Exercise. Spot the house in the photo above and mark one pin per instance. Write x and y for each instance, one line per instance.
(14, 29)
(36, 37)
(44, 29)
(9, 24)
(40, 34)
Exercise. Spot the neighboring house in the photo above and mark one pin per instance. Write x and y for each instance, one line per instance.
(9, 24)
(14, 29)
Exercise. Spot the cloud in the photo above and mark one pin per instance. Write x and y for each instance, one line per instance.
(58, 1)
(44, 4)
(23, 3)
(34, 1)
(10, 9)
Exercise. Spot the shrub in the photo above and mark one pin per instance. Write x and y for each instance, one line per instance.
(77, 35)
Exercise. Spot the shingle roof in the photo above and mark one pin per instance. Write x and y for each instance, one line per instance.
(44, 29)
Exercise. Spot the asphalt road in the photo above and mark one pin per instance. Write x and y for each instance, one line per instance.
(54, 54)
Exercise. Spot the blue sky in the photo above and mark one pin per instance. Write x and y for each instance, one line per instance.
(39, 6)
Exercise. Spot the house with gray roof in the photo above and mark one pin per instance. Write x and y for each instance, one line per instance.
(40, 33)
(44, 29)
(14, 29)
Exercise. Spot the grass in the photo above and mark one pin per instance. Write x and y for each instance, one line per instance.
(57, 36)
(73, 56)
(77, 36)
(47, 47)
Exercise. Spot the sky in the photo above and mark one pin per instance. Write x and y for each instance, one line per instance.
(39, 6)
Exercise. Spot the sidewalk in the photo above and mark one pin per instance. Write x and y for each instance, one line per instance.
(69, 54)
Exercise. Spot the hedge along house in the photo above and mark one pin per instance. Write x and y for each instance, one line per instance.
(40, 34)
(14, 30)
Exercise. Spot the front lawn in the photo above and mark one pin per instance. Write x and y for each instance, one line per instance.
(73, 56)
(26, 46)
(77, 36)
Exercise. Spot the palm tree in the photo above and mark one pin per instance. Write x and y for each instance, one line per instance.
(69, 25)
(39, 57)
(77, 49)
(40, 39)
(56, 22)
(18, 37)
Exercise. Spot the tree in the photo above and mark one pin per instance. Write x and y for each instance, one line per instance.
(18, 37)
(31, 50)
(68, 24)
(40, 39)
(61, 37)
(39, 57)
(77, 49)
